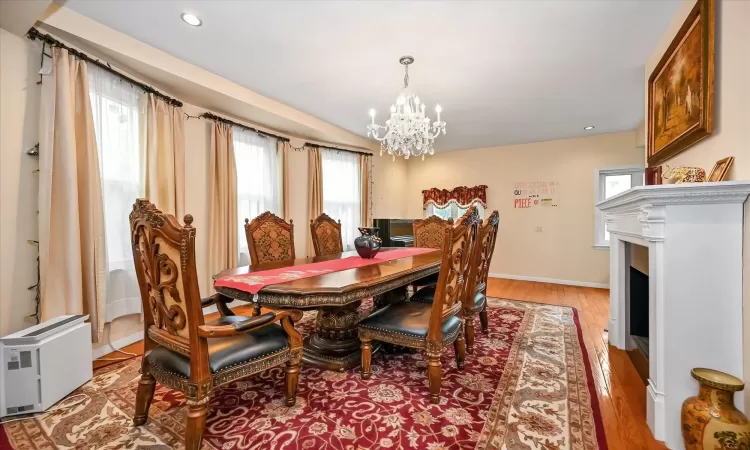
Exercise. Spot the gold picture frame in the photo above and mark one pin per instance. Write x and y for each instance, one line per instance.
(720, 169)
(681, 88)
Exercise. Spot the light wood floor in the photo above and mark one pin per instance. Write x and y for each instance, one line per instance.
(622, 393)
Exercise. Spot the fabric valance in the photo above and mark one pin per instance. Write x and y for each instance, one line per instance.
(461, 195)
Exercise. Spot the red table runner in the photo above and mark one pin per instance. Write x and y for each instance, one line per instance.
(255, 281)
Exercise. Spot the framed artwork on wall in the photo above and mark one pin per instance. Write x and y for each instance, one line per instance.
(681, 88)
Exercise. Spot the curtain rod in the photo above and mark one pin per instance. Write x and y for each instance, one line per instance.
(35, 34)
(331, 147)
(215, 118)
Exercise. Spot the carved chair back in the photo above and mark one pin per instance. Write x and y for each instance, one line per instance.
(429, 232)
(164, 257)
(269, 239)
(480, 258)
(458, 243)
(326, 235)
(488, 237)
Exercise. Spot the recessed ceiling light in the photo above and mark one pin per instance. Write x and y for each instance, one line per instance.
(588, 127)
(191, 19)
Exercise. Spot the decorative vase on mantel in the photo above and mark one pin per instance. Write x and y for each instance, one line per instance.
(369, 243)
(710, 421)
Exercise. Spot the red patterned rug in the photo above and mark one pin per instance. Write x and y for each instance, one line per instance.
(528, 385)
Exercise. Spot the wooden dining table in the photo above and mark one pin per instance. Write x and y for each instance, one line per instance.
(334, 345)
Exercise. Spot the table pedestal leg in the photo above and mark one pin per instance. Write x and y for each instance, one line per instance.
(334, 345)
(399, 294)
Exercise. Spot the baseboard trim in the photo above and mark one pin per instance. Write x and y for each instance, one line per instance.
(549, 280)
(118, 344)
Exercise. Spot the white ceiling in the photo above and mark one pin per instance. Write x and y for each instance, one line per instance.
(505, 72)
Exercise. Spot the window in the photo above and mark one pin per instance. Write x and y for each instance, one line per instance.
(341, 192)
(451, 210)
(610, 182)
(258, 181)
(115, 109)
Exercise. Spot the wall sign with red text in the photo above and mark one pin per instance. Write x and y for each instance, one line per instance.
(532, 194)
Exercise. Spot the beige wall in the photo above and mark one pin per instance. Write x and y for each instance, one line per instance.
(731, 136)
(19, 108)
(564, 249)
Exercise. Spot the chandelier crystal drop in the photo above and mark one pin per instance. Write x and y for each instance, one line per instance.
(408, 132)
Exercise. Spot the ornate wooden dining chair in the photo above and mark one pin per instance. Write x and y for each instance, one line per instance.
(181, 350)
(269, 239)
(428, 233)
(428, 326)
(326, 235)
(487, 237)
(475, 299)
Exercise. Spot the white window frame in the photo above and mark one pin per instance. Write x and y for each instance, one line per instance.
(636, 173)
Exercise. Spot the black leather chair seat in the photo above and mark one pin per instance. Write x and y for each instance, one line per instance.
(227, 351)
(426, 295)
(409, 318)
(479, 301)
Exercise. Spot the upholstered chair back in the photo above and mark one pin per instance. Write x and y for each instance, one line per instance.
(458, 243)
(429, 232)
(164, 257)
(269, 239)
(326, 235)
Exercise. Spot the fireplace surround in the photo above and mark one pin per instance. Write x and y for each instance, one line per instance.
(694, 233)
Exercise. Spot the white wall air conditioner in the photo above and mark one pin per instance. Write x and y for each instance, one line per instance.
(44, 363)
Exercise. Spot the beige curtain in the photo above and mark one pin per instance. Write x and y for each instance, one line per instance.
(315, 188)
(284, 148)
(222, 201)
(365, 162)
(163, 148)
(72, 251)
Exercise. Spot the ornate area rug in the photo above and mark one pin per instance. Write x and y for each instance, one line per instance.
(528, 385)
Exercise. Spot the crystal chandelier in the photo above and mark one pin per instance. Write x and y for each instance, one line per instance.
(408, 131)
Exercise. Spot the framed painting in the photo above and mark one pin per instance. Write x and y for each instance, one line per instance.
(681, 88)
(720, 169)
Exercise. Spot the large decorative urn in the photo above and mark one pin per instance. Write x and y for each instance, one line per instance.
(369, 243)
(710, 420)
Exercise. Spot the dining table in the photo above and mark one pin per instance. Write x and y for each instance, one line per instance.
(334, 286)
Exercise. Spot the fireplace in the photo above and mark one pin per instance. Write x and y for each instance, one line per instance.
(638, 293)
(694, 237)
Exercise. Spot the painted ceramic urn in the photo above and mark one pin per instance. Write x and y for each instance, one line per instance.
(369, 243)
(710, 420)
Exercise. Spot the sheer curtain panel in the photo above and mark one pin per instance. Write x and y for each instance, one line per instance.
(72, 254)
(115, 110)
(341, 192)
(258, 181)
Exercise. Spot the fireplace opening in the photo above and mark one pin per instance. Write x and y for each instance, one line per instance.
(639, 310)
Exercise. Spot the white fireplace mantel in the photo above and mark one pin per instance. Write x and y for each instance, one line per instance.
(694, 233)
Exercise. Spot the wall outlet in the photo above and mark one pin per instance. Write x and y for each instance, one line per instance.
(539, 229)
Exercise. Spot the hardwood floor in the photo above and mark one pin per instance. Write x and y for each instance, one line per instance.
(622, 393)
